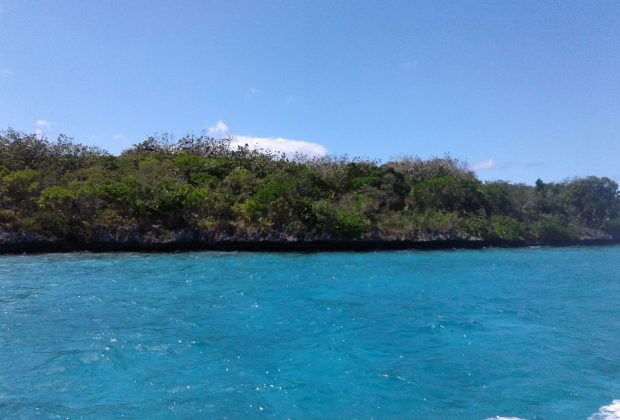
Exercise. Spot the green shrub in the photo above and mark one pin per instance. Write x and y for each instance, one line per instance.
(351, 227)
(438, 222)
(554, 229)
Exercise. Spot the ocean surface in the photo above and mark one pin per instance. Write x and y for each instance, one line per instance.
(525, 333)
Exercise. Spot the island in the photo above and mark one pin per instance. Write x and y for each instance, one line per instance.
(198, 193)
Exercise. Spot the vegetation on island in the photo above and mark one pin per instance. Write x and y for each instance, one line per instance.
(62, 190)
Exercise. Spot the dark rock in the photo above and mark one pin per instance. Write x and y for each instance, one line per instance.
(157, 239)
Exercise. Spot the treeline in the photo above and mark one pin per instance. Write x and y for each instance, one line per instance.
(64, 190)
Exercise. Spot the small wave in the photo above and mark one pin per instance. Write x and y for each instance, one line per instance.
(504, 418)
(607, 412)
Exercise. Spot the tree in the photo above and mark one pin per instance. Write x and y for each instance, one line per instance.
(593, 200)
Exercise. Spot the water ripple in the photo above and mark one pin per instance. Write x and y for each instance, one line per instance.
(463, 334)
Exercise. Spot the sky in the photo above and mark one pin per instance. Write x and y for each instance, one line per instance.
(519, 90)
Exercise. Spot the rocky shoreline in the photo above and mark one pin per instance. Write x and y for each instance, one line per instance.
(191, 240)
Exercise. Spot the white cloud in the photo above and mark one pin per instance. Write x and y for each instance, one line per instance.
(6, 72)
(219, 129)
(269, 144)
(41, 128)
(42, 124)
(410, 65)
(481, 166)
(280, 145)
(251, 93)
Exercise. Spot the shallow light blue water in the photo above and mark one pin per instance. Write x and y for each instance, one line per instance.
(529, 333)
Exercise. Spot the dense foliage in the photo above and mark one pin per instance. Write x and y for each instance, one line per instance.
(63, 190)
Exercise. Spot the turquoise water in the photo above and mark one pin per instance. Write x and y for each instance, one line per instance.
(528, 333)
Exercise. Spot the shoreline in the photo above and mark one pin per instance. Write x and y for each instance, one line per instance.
(41, 247)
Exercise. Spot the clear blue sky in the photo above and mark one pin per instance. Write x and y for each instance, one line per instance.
(525, 89)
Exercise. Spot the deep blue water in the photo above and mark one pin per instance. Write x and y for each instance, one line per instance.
(529, 333)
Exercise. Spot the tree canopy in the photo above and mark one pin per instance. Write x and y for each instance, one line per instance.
(64, 190)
